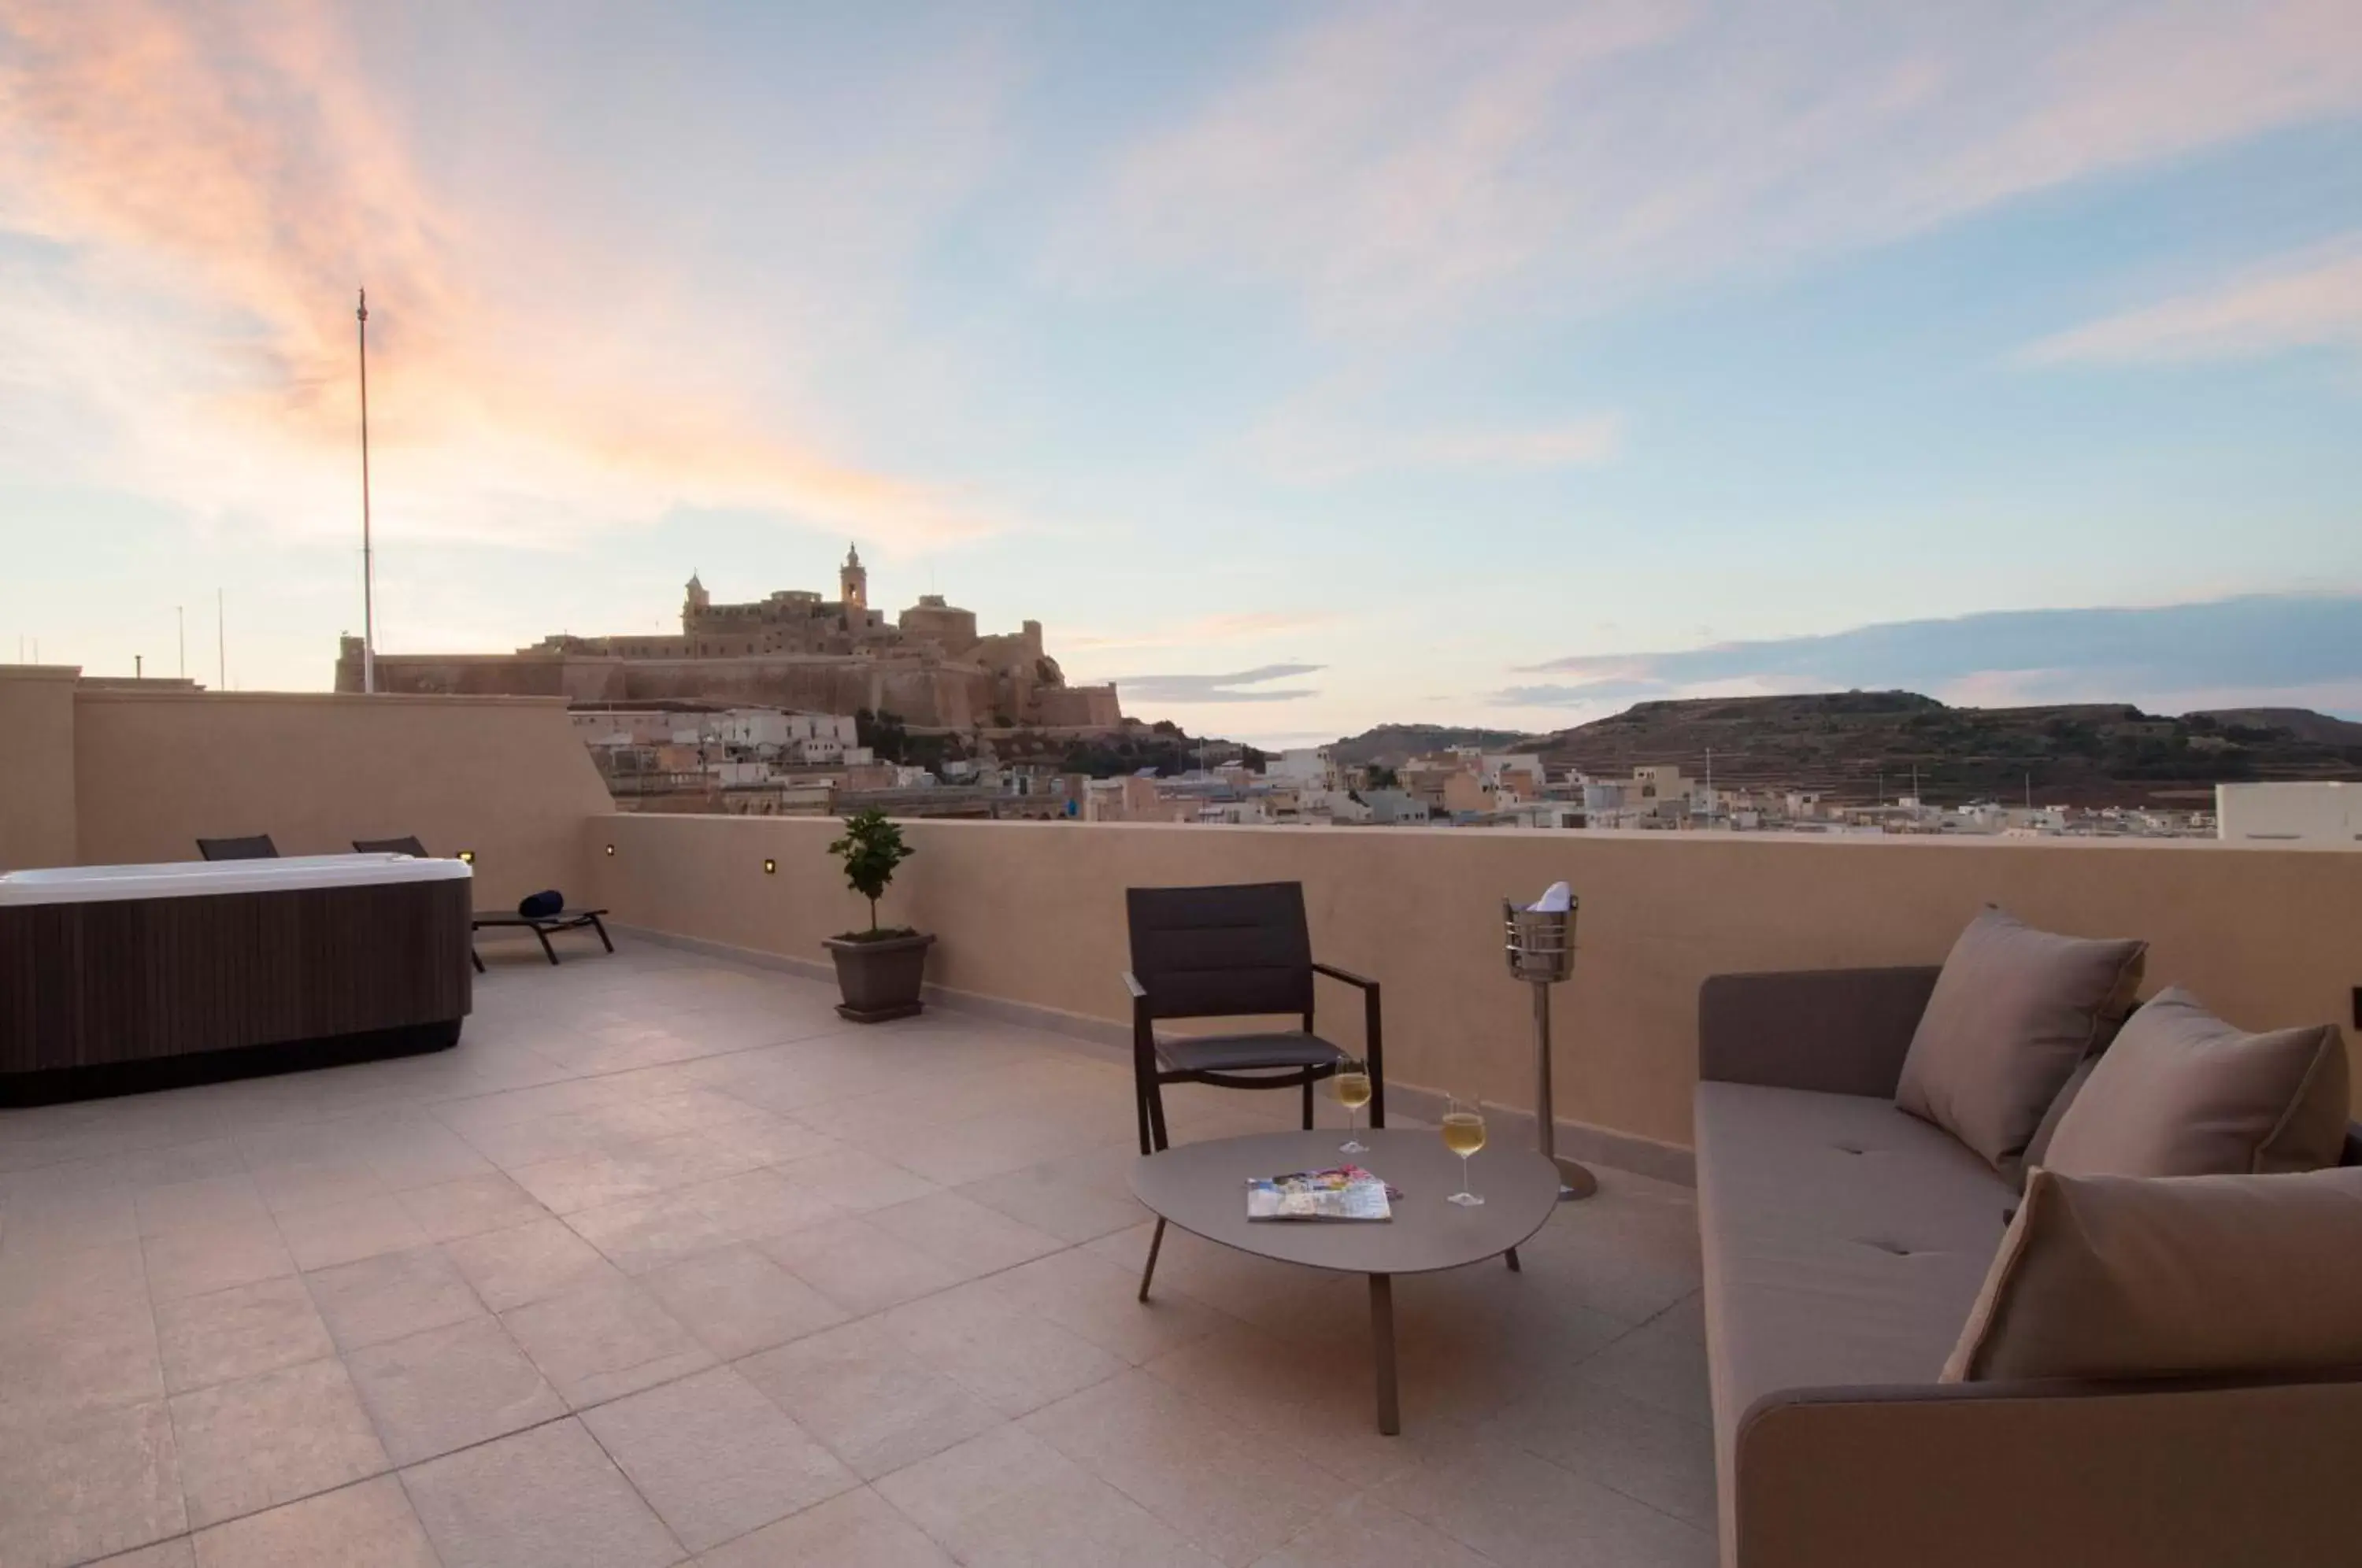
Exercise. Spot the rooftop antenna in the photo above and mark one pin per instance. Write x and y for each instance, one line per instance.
(221, 646)
(181, 635)
(368, 563)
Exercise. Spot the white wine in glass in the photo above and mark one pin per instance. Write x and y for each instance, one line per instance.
(1351, 1085)
(1464, 1134)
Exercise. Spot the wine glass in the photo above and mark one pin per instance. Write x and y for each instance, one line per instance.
(1464, 1134)
(1352, 1087)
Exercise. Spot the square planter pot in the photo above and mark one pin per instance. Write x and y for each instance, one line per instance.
(879, 980)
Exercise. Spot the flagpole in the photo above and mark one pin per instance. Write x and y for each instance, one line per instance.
(368, 563)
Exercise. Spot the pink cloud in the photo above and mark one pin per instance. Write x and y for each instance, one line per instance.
(226, 175)
(1393, 166)
(2310, 300)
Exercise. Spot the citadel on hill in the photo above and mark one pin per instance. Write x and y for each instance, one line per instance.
(793, 649)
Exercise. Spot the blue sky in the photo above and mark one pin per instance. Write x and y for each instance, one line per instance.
(1302, 366)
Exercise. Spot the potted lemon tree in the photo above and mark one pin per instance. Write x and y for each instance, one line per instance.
(878, 971)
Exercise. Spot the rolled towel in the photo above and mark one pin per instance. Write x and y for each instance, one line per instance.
(541, 905)
(1557, 899)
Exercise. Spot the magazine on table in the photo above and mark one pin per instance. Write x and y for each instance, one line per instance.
(1346, 1192)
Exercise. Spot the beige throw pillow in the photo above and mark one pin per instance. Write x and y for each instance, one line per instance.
(2139, 1276)
(2013, 1012)
(2184, 1093)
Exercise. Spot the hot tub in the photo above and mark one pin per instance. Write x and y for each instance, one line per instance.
(114, 979)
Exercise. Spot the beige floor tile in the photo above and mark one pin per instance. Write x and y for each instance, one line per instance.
(45, 1225)
(1233, 1494)
(425, 1155)
(759, 1203)
(715, 1458)
(872, 1402)
(106, 1357)
(1099, 1299)
(737, 1300)
(208, 1201)
(385, 1297)
(853, 1529)
(860, 1267)
(316, 1184)
(855, 1180)
(549, 1497)
(272, 1438)
(198, 1259)
(1011, 1356)
(346, 1232)
(964, 1235)
(434, 1392)
(530, 1263)
(1078, 1198)
(1314, 1396)
(1279, 1297)
(369, 1525)
(1659, 1364)
(84, 1483)
(634, 1170)
(766, 1139)
(643, 1233)
(1005, 1498)
(72, 1287)
(1520, 1511)
(1665, 1460)
(240, 1332)
(1362, 1532)
(469, 1207)
(174, 1553)
(602, 1340)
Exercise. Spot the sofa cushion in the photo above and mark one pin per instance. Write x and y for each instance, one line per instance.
(2136, 1276)
(2013, 1012)
(1844, 1243)
(2184, 1093)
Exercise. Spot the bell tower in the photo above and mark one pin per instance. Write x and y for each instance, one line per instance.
(694, 604)
(853, 583)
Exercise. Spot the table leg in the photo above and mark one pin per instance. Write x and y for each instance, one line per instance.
(1515, 1266)
(1382, 1345)
(1155, 1243)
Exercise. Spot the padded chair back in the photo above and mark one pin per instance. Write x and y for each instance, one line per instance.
(406, 845)
(258, 847)
(1221, 952)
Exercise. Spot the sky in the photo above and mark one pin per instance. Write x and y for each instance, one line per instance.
(1300, 367)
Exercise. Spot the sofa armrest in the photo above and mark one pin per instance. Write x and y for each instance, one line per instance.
(1970, 1476)
(1836, 1031)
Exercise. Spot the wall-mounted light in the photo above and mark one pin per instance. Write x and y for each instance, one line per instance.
(468, 857)
(770, 867)
(611, 851)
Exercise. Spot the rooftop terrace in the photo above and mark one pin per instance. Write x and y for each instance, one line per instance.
(665, 1263)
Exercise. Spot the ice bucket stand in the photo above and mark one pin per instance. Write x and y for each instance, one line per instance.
(1541, 945)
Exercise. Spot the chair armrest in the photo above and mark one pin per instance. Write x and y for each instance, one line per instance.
(1347, 975)
(1374, 1037)
(1966, 1475)
(1836, 1031)
(1132, 983)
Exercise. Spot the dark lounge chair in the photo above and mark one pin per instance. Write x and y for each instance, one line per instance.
(257, 847)
(541, 926)
(1232, 951)
(408, 845)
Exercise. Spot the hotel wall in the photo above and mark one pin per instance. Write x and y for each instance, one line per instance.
(1033, 914)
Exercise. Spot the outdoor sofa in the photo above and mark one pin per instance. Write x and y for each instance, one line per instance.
(1845, 1244)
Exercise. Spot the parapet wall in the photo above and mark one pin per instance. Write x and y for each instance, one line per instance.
(1033, 914)
(115, 774)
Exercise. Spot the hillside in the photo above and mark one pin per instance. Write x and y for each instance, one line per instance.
(1392, 744)
(1850, 744)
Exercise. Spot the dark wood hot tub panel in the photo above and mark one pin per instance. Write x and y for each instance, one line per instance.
(103, 983)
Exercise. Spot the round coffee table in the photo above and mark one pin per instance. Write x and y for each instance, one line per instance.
(1202, 1189)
